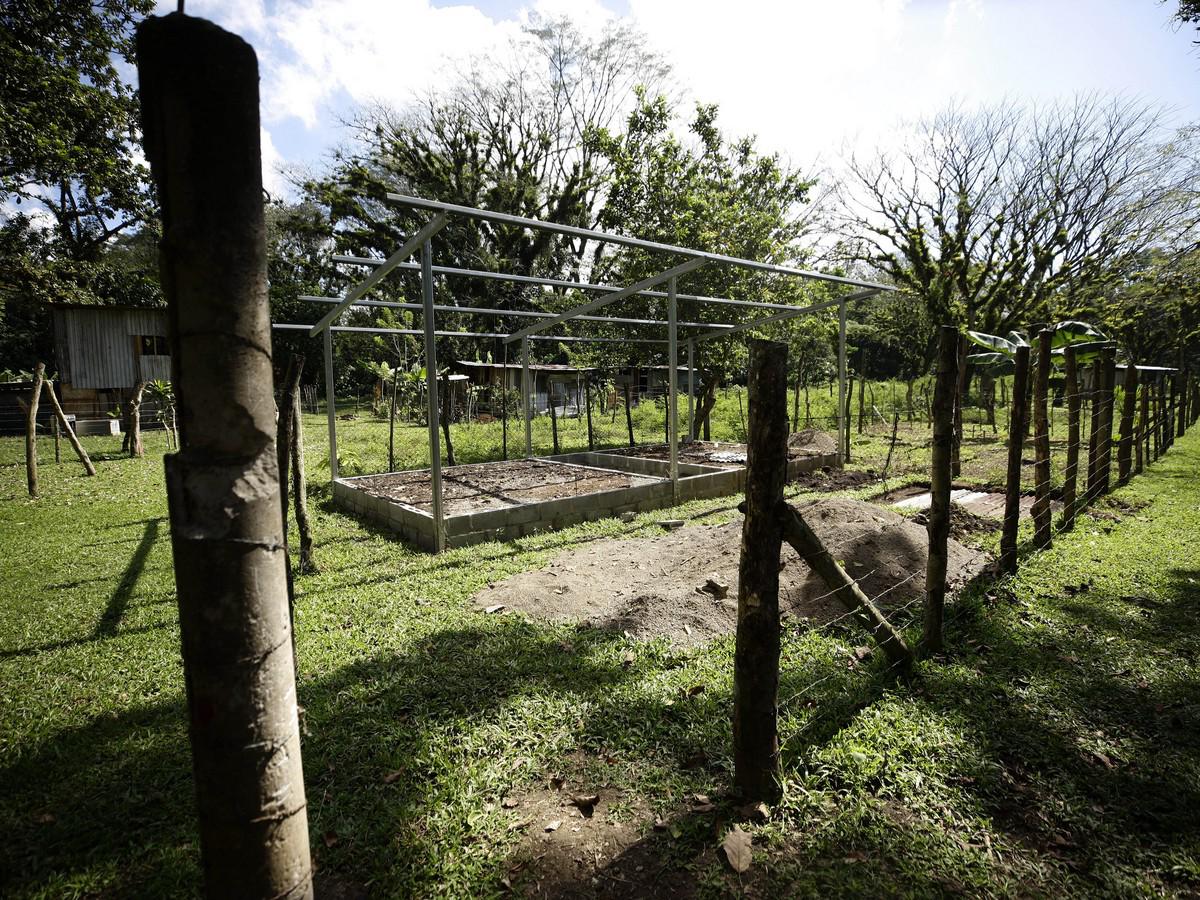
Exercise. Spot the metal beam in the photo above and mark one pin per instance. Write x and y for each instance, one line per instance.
(563, 283)
(672, 389)
(331, 407)
(518, 313)
(674, 272)
(431, 381)
(778, 317)
(525, 402)
(364, 329)
(609, 238)
(432, 227)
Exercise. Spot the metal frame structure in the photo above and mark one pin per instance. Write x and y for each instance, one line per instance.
(421, 243)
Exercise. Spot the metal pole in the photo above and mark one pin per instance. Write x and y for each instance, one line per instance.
(431, 381)
(691, 389)
(673, 386)
(525, 397)
(331, 406)
(843, 430)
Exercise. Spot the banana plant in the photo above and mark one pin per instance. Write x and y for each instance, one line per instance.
(1086, 340)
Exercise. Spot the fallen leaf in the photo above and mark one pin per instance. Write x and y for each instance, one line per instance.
(554, 825)
(330, 838)
(586, 803)
(494, 609)
(628, 659)
(510, 803)
(392, 777)
(737, 849)
(695, 689)
(755, 812)
(660, 825)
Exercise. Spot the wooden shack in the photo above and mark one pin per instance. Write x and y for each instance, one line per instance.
(102, 352)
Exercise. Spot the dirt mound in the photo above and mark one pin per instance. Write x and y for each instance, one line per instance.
(811, 441)
(651, 587)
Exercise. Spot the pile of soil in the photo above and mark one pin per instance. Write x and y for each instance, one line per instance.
(652, 587)
(811, 442)
(828, 479)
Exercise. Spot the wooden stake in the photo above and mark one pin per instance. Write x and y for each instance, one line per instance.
(628, 415)
(31, 460)
(391, 422)
(756, 660)
(1016, 444)
(1108, 366)
(1071, 473)
(54, 428)
(804, 540)
(938, 526)
(553, 421)
(65, 426)
(1125, 447)
(959, 399)
(1142, 424)
(199, 96)
(1041, 445)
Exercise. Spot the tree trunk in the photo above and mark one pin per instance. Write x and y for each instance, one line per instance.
(199, 96)
(846, 413)
(72, 439)
(1012, 482)
(57, 436)
(807, 407)
(908, 400)
(628, 414)
(31, 460)
(1071, 473)
(1041, 445)
(1125, 447)
(136, 449)
(938, 525)
(704, 406)
(756, 659)
(447, 412)
(308, 564)
(862, 400)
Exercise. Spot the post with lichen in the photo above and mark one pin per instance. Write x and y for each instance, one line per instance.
(756, 659)
(199, 95)
(1071, 471)
(1012, 478)
(1125, 447)
(1041, 445)
(938, 526)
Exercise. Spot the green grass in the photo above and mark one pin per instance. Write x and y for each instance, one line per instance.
(1053, 750)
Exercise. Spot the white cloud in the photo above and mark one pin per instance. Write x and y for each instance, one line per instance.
(273, 181)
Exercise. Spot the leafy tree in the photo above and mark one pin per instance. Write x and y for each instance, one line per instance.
(69, 168)
(712, 194)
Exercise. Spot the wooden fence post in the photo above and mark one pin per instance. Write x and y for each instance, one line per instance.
(628, 414)
(1095, 420)
(1012, 482)
(392, 422)
(199, 95)
(1071, 472)
(1140, 433)
(960, 384)
(553, 421)
(1041, 445)
(1125, 447)
(65, 427)
(938, 526)
(31, 411)
(1155, 390)
(1108, 365)
(587, 391)
(756, 660)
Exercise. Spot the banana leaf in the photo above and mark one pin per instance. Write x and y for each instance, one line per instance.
(1085, 351)
(1075, 332)
(993, 342)
(993, 364)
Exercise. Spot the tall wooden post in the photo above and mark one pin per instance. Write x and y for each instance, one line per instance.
(628, 414)
(1095, 421)
(1156, 417)
(1125, 447)
(1108, 366)
(1071, 472)
(392, 422)
(65, 427)
(199, 97)
(959, 399)
(1012, 481)
(300, 487)
(938, 526)
(587, 399)
(1041, 445)
(756, 660)
(553, 421)
(31, 411)
(1142, 424)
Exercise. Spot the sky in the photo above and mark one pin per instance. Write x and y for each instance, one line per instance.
(813, 79)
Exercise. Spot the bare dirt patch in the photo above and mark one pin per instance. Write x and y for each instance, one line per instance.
(810, 442)
(467, 489)
(651, 587)
(828, 479)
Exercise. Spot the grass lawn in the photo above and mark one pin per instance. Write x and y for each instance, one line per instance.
(1055, 749)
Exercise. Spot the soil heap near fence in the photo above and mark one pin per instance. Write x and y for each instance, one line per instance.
(651, 587)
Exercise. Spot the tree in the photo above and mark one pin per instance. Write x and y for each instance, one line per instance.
(999, 217)
(69, 164)
(713, 194)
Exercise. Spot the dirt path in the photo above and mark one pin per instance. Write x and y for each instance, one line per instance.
(651, 587)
